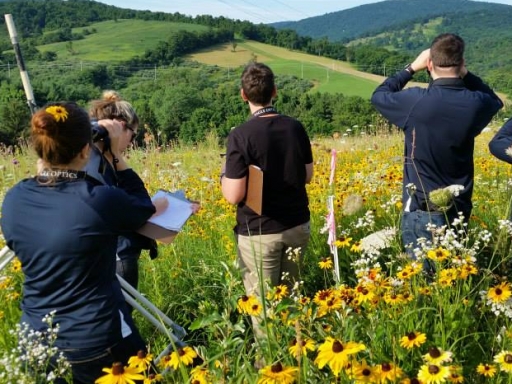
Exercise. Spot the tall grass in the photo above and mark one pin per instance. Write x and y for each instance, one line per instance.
(378, 312)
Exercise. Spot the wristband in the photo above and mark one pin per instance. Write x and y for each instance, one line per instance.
(409, 69)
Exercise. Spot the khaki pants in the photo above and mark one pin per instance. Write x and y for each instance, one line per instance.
(264, 258)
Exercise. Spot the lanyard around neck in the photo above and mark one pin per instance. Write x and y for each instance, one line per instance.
(265, 111)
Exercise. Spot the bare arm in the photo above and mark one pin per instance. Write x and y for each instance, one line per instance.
(234, 189)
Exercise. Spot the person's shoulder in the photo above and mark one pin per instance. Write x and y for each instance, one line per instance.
(18, 190)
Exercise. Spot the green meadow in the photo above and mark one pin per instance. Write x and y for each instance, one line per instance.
(119, 40)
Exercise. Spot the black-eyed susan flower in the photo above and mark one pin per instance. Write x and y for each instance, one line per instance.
(388, 372)
(16, 265)
(410, 381)
(437, 356)
(438, 254)
(153, 378)
(120, 375)
(325, 263)
(449, 274)
(336, 354)
(330, 305)
(183, 356)
(356, 246)
(277, 374)
(413, 339)
(58, 112)
(303, 301)
(392, 298)
(322, 296)
(245, 303)
(504, 359)
(342, 242)
(425, 291)
(361, 372)
(296, 349)
(278, 292)
(487, 370)
(142, 360)
(364, 293)
(404, 274)
(433, 373)
(200, 375)
(455, 374)
(255, 309)
(499, 293)
(467, 270)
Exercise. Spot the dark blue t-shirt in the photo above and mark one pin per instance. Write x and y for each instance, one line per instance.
(65, 236)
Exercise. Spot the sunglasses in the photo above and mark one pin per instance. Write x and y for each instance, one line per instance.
(134, 134)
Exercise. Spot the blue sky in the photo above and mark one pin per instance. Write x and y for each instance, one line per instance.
(257, 11)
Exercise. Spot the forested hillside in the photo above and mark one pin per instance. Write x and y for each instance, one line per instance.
(176, 99)
(370, 18)
(487, 34)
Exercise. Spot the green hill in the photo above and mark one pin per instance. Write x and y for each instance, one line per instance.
(372, 18)
(119, 40)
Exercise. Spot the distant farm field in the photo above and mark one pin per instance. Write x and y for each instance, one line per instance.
(118, 40)
(327, 74)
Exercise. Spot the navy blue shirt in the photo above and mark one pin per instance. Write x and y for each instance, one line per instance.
(440, 125)
(65, 236)
(129, 245)
(501, 142)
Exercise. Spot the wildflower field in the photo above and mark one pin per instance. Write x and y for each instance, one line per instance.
(384, 322)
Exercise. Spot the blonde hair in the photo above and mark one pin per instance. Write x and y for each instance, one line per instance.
(112, 106)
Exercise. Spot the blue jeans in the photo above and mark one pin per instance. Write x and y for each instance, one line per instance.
(414, 226)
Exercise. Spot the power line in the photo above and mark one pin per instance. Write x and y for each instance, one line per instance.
(244, 10)
(273, 11)
(292, 8)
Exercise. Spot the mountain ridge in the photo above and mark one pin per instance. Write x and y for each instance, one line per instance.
(369, 19)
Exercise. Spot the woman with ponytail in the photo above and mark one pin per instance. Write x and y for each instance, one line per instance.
(63, 225)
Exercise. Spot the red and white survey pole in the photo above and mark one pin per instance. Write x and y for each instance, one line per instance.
(331, 221)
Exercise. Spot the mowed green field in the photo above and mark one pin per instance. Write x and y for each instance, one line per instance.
(328, 75)
(118, 40)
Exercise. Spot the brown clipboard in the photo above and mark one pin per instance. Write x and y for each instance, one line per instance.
(254, 195)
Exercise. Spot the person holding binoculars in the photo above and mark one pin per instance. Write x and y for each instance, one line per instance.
(102, 166)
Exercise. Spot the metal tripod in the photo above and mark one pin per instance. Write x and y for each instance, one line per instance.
(134, 298)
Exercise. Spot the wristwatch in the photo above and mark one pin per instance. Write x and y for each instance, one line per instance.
(409, 69)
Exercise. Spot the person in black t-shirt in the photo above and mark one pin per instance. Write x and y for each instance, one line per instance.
(280, 147)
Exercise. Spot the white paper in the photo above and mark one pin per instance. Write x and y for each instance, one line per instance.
(177, 212)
